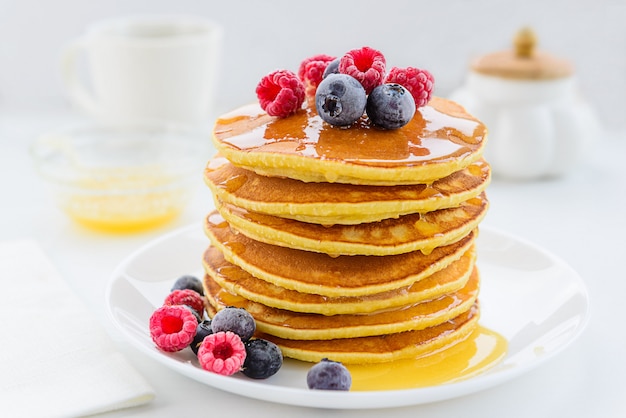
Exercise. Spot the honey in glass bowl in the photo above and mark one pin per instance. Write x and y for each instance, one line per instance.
(122, 179)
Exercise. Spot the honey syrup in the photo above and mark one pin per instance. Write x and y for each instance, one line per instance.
(476, 354)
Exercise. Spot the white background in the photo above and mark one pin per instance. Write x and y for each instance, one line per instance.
(260, 36)
(579, 217)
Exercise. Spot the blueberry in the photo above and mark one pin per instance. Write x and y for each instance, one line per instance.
(236, 320)
(188, 282)
(340, 99)
(194, 312)
(390, 106)
(332, 68)
(263, 359)
(329, 375)
(202, 330)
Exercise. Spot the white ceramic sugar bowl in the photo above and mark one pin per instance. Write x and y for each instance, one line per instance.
(538, 124)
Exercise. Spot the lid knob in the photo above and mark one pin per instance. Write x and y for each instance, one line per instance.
(525, 41)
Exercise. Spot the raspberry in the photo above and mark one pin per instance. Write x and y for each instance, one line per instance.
(222, 352)
(187, 297)
(280, 93)
(418, 82)
(312, 69)
(366, 65)
(172, 328)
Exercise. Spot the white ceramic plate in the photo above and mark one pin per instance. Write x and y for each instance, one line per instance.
(535, 300)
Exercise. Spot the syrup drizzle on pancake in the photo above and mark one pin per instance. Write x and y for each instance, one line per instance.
(440, 139)
(439, 131)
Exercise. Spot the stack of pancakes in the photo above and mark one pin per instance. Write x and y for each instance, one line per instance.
(354, 244)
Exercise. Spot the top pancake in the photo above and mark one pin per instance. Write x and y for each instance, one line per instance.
(442, 138)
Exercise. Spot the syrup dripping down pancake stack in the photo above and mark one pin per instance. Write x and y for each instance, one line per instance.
(351, 244)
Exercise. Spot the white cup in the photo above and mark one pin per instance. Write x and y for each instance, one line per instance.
(145, 69)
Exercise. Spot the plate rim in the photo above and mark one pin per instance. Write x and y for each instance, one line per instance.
(352, 399)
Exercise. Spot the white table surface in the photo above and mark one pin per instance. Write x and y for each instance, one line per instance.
(580, 218)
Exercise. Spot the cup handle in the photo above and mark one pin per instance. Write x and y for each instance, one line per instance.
(79, 94)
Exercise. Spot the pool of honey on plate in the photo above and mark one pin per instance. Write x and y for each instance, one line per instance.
(481, 351)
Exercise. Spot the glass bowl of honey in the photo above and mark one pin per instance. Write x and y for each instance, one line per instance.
(122, 178)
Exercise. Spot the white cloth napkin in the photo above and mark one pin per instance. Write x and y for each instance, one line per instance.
(56, 360)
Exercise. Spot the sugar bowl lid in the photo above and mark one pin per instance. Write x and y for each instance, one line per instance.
(524, 61)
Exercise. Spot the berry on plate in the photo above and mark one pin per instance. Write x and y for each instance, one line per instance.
(236, 320)
(188, 282)
(194, 312)
(202, 330)
(263, 359)
(186, 297)
(419, 82)
(340, 99)
(222, 353)
(329, 375)
(366, 64)
(280, 93)
(172, 328)
(390, 106)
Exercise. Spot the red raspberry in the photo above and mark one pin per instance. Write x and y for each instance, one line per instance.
(418, 82)
(366, 65)
(312, 69)
(186, 297)
(280, 93)
(172, 328)
(222, 352)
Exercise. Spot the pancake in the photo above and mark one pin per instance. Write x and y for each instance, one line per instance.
(318, 273)
(239, 282)
(336, 203)
(391, 236)
(442, 138)
(305, 326)
(383, 348)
